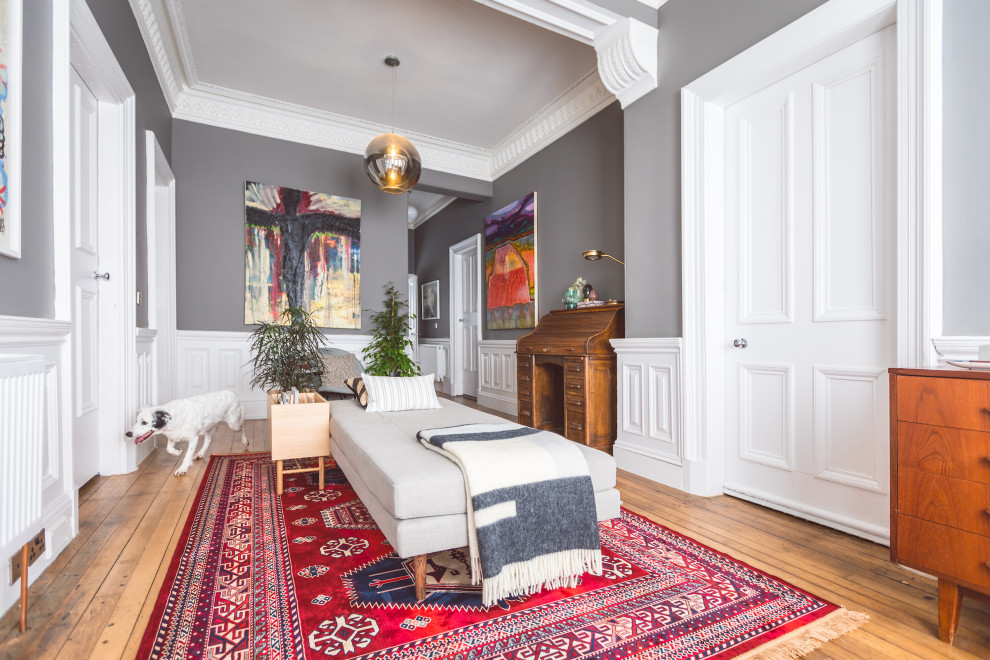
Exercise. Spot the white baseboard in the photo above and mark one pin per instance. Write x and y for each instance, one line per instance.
(858, 528)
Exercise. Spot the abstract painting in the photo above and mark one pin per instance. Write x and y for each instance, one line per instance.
(302, 249)
(10, 134)
(431, 300)
(510, 265)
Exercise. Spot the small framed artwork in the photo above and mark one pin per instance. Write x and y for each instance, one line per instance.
(10, 127)
(431, 300)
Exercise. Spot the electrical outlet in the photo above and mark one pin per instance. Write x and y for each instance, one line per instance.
(36, 548)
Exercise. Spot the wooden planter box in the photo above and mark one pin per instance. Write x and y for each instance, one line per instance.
(299, 430)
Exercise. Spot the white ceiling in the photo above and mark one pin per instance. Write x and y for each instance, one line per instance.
(470, 74)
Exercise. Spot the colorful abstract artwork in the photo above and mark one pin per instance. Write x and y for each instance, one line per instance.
(302, 249)
(510, 265)
(10, 52)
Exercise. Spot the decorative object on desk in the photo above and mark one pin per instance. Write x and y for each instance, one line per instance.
(11, 32)
(591, 303)
(586, 292)
(978, 365)
(430, 293)
(322, 571)
(387, 354)
(595, 255)
(302, 250)
(287, 354)
(571, 298)
(391, 161)
(592, 295)
(510, 265)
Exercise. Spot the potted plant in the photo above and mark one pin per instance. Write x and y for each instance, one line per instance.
(287, 358)
(388, 353)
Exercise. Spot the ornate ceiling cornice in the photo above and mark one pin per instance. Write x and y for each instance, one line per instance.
(626, 63)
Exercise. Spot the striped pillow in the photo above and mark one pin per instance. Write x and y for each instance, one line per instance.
(392, 394)
(356, 385)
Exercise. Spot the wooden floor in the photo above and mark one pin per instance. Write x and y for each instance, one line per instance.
(96, 598)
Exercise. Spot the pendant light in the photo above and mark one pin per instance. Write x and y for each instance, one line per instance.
(391, 161)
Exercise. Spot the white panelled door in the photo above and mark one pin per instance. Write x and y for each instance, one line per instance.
(467, 323)
(85, 288)
(810, 267)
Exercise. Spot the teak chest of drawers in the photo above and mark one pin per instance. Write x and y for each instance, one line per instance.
(940, 482)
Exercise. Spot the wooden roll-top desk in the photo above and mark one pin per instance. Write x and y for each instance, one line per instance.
(566, 380)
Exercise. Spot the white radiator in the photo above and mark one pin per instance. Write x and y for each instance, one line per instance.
(433, 360)
(22, 428)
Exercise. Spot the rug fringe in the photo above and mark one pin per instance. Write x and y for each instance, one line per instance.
(806, 639)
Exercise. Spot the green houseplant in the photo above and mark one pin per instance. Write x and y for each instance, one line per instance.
(287, 352)
(388, 352)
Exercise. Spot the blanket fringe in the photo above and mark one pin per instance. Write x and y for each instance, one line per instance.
(549, 571)
(806, 639)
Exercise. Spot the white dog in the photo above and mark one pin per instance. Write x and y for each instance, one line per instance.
(188, 419)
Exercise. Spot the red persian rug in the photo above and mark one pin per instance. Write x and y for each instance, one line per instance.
(309, 575)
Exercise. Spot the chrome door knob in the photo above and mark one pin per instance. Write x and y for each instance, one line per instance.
(739, 343)
(101, 276)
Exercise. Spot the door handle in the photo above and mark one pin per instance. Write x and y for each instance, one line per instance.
(101, 276)
(739, 343)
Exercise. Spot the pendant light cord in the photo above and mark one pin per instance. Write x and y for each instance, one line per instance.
(392, 118)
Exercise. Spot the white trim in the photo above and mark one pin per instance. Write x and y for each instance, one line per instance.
(432, 210)
(61, 158)
(497, 375)
(456, 357)
(94, 60)
(161, 294)
(627, 62)
(654, 4)
(957, 348)
(10, 243)
(822, 31)
(831, 519)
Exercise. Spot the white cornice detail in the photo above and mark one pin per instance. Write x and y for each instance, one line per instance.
(627, 59)
(625, 47)
(655, 4)
(580, 102)
(431, 210)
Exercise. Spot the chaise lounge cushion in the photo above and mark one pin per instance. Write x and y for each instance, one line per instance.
(408, 480)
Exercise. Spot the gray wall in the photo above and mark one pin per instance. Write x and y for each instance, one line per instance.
(151, 112)
(695, 37)
(966, 154)
(578, 184)
(27, 284)
(211, 165)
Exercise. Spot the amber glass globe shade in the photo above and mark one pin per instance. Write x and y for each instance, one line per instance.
(392, 163)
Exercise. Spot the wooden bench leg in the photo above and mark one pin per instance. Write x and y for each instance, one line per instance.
(278, 478)
(419, 573)
(321, 473)
(949, 607)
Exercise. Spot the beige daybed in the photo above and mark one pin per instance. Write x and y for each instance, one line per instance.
(415, 495)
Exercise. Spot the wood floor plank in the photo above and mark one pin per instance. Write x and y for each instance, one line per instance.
(96, 598)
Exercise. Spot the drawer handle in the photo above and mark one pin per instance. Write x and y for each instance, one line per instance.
(523, 377)
(576, 426)
(987, 564)
(546, 349)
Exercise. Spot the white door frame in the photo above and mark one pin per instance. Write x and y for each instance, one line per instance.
(78, 41)
(919, 200)
(160, 216)
(412, 282)
(472, 243)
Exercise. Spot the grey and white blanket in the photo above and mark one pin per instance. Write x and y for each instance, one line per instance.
(530, 504)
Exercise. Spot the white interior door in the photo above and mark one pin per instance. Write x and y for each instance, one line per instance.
(85, 286)
(465, 315)
(810, 288)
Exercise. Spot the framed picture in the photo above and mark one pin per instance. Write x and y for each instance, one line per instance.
(301, 249)
(510, 265)
(430, 293)
(10, 127)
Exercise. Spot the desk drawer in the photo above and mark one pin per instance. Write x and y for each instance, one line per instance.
(956, 402)
(524, 387)
(573, 386)
(574, 402)
(944, 551)
(574, 426)
(574, 368)
(944, 451)
(952, 502)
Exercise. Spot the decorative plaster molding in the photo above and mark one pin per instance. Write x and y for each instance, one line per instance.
(655, 4)
(431, 210)
(627, 62)
(582, 101)
(627, 59)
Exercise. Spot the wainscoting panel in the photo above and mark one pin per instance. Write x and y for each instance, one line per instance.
(434, 358)
(497, 375)
(46, 343)
(649, 441)
(209, 361)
